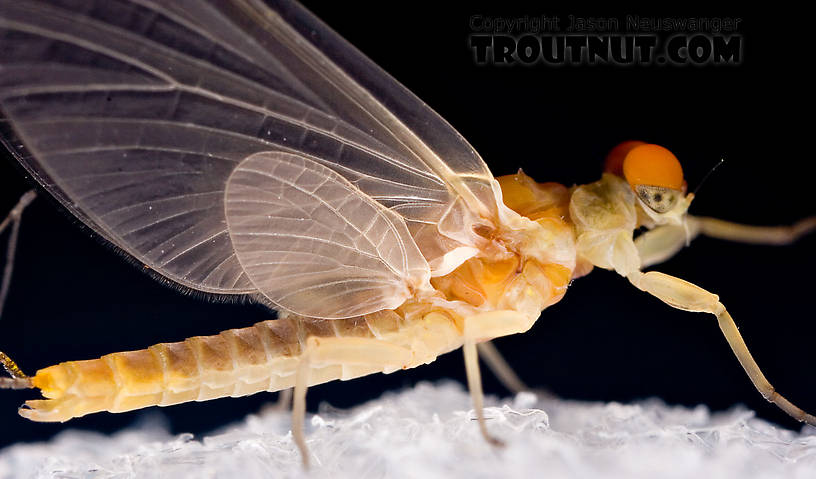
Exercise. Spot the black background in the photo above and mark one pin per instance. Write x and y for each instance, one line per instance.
(74, 299)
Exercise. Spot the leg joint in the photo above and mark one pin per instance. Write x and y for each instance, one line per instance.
(770, 395)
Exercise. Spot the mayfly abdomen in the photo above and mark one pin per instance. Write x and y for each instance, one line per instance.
(238, 362)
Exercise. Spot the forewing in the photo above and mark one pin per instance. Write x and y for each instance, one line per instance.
(134, 114)
(312, 243)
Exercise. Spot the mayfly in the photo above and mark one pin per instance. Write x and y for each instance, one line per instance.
(243, 149)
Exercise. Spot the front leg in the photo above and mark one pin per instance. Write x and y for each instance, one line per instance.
(661, 243)
(683, 295)
(772, 235)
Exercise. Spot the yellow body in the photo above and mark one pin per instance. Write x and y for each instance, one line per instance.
(546, 236)
(497, 295)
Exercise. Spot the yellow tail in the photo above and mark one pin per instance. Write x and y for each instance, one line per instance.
(236, 362)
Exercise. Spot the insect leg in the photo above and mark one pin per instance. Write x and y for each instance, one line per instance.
(479, 328)
(499, 367)
(475, 386)
(282, 404)
(12, 219)
(299, 406)
(284, 399)
(663, 242)
(354, 354)
(683, 295)
(777, 235)
(504, 372)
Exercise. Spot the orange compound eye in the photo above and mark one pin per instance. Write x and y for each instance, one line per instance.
(614, 159)
(653, 165)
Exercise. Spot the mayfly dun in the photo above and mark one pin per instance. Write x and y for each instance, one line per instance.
(243, 149)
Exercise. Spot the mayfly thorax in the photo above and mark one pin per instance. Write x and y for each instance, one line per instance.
(244, 149)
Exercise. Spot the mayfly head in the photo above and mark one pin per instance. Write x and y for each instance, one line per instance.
(655, 175)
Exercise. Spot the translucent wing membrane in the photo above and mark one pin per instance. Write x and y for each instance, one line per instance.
(311, 242)
(135, 114)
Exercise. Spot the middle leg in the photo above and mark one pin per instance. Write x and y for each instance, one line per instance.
(474, 380)
(327, 351)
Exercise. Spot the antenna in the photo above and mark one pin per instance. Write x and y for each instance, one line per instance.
(722, 160)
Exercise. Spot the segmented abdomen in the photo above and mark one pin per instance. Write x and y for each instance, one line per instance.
(236, 362)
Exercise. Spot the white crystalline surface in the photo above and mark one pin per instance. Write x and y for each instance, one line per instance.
(429, 432)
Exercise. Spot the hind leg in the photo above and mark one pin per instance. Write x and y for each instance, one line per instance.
(12, 219)
(505, 373)
(500, 368)
(299, 408)
(284, 401)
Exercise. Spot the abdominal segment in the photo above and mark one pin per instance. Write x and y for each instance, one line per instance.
(239, 362)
